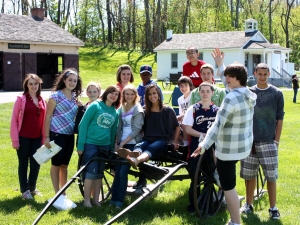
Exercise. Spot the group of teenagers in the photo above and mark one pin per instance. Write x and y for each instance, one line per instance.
(236, 124)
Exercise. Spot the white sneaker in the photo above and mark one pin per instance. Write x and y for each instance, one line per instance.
(27, 195)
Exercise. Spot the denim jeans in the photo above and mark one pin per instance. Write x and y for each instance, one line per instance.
(295, 95)
(119, 186)
(28, 147)
(95, 170)
(152, 148)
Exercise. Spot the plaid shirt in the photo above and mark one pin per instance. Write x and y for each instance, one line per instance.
(62, 120)
(232, 130)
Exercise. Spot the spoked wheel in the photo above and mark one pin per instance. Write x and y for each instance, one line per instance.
(208, 196)
(166, 83)
(260, 184)
(107, 180)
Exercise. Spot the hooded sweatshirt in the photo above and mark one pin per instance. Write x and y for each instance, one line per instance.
(232, 131)
(98, 125)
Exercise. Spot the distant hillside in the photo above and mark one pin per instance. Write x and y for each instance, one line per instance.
(100, 64)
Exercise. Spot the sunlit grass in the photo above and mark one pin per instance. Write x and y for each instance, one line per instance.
(169, 207)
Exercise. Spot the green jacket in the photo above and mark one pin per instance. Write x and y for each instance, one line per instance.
(217, 98)
(98, 125)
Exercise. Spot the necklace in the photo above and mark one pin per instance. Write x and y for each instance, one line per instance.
(37, 105)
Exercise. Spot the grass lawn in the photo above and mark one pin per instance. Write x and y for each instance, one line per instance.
(101, 64)
(169, 207)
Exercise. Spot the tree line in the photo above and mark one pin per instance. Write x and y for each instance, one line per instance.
(142, 24)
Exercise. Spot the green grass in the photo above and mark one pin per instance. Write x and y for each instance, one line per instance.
(101, 64)
(169, 207)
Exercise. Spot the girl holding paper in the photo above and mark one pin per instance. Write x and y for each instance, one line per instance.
(27, 133)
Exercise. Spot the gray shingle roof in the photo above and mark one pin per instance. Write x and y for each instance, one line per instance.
(262, 45)
(273, 46)
(208, 40)
(26, 29)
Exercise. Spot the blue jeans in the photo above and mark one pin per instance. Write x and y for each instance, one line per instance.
(119, 186)
(295, 95)
(95, 170)
(152, 148)
(28, 147)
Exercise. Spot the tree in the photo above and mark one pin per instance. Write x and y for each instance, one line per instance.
(2, 8)
(109, 21)
(285, 18)
(185, 18)
(99, 9)
(148, 34)
(158, 39)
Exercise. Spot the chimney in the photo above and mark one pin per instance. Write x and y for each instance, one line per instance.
(38, 13)
(169, 34)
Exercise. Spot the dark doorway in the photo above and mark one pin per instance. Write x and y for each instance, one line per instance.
(1, 71)
(48, 65)
(256, 61)
(11, 76)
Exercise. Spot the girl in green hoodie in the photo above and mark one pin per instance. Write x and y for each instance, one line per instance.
(97, 131)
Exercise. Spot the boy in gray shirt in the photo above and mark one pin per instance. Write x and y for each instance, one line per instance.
(267, 126)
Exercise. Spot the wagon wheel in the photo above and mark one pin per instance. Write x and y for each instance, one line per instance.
(166, 83)
(260, 184)
(208, 197)
(107, 181)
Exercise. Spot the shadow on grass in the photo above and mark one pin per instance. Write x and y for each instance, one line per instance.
(12, 205)
(139, 59)
(251, 218)
(147, 211)
(129, 54)
(260, 205)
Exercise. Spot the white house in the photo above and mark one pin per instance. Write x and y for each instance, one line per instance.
(248, 47)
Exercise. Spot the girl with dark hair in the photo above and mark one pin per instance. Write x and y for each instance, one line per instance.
(59, 123)
(97, 131)
(27, 133)
(160, 125)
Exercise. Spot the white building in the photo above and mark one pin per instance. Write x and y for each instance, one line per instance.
(248, 47)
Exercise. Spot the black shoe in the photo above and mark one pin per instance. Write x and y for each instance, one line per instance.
(274, 214)
(190, 209)
(142, 182)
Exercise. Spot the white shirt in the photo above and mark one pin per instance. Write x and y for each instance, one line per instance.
(126, 120)
(183, 103)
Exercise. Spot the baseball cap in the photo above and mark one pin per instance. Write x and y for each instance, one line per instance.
(146, 68)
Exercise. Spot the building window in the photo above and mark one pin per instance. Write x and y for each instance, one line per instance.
(200, 56)
(246, 60)
(174, 60)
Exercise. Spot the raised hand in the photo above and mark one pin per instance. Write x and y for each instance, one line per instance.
(218, 56)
